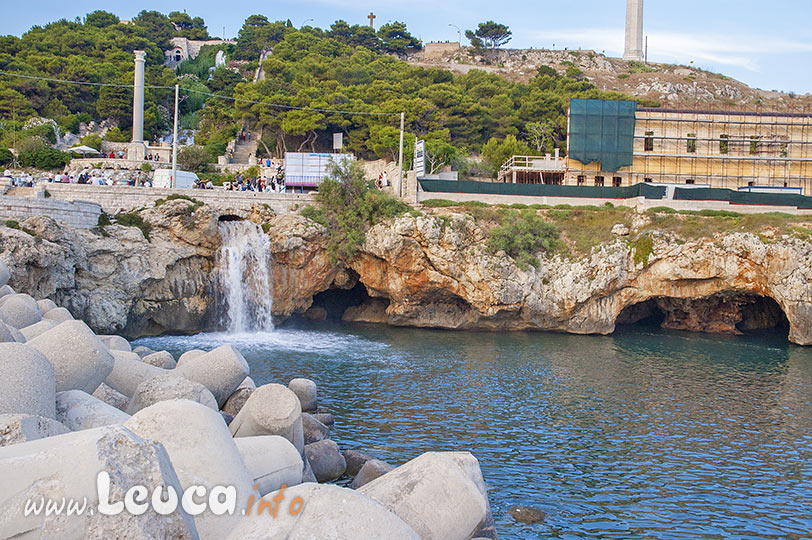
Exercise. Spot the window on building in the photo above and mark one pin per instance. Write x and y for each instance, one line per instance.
(751, 183)
(647, 180)
(753, 145)
(691, 145)
(784, 150)
(648, 143)
(616, 181)
(581, 180)
(689, 181)
(724, 144)
(599, 180)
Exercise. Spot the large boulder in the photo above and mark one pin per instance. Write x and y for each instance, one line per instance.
(69, 466)
(272, 462)
(326, 460)
(161, 359)
(372, 469)
(19, 311)
(202, 452)
(30, 332)
(272, 409)
(221, 371)
(6, 335)
(325, 418)
(189, 355)
(5, 290)
(142, 351)
(313, 430)
(129, 371)
(27, 381)
(169, 386)
(78, 410)
(58, 315)
(441, 495)
(316, 511)
(20, 428)
(114, 398)
(355, 460)
(306, 391)
(80, 360)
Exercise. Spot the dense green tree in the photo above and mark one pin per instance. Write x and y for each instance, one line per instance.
(157, 27)
(489, 35)
(100, 19)
(193, 158)
(395, 38)
(188, 27)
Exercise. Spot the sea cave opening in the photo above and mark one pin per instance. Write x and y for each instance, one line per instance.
(229, 217)
(724, 313)
(333, 303)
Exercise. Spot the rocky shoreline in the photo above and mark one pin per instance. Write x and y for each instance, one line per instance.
(87, 417)
(432, 271)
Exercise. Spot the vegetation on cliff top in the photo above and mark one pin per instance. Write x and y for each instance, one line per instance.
(348, 206)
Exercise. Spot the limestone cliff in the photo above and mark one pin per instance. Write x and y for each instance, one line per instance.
(416, 271)
(428, 272)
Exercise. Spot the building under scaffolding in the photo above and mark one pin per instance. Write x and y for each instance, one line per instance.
(614, 143)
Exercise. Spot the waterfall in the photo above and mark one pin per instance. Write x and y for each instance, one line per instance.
(243, 278)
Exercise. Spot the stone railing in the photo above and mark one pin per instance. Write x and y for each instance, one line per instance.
(77, 214)
(115, 199)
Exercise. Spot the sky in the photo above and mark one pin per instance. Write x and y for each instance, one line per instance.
(766, 45)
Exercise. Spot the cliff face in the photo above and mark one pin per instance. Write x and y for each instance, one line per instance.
(418, 271)
(116, 280)
(429, 273)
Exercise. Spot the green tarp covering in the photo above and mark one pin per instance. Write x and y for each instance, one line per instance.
(743, 197)
(540, 190)
(602, 131)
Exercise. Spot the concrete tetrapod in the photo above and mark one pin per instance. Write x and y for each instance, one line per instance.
(27, 381)
(306, 391)
(168, 386)
(58, 315)
(116, 343)
(444, 500)
(202, 452)
(5, 275)
(272, 409)
(129, 371)
(326, 512)
(80, 360)
(30, 332)
(68, 466)
(79, 410)
(161, 359)
(46, 305)
(272, 461)
(19, 311)
(20, 428)
(221, 371)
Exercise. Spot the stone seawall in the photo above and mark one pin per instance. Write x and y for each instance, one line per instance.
(77, 214)
(115, 199)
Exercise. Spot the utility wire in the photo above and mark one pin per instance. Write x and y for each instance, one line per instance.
(189, 90)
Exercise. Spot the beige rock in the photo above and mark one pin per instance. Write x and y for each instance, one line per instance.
(272, 409)
(221, 371)
(27, 381)
(78, 411)
(169, 386)
(272, 462)
(20, 428)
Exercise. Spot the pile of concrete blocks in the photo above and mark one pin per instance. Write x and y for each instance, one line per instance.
(131, 443)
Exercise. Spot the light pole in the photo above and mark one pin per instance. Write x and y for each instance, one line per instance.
(305, 22)
(459, 33)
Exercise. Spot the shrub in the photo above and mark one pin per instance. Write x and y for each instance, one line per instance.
(134, 219)
(178, 196)
(12, 224)
(348, 207)
(116, 135)
(643, 248)
(146, 167)
(439, 203)
(662, 210)
(93, 140)
(6, 156)
(44, 157)
(104, 220)
(193, 158)
(521, 235)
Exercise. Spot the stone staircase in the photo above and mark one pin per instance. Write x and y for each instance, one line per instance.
(243, 150)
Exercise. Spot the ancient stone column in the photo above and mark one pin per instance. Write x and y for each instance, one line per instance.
(138, 97)
(634, 31)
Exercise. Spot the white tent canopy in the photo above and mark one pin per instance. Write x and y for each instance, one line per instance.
(83, 150)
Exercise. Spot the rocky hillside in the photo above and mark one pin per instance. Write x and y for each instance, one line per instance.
(667, 84)
(433, 270)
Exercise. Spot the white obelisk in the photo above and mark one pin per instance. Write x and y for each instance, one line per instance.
(634, 31)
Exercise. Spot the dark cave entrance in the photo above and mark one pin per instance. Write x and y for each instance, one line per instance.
(334, 302)
(734, 314)
(229, 217)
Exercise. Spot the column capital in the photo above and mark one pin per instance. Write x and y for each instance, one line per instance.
(140, 56)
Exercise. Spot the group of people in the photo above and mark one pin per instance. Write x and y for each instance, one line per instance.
(263, 185)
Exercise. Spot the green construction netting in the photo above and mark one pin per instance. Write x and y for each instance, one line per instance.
(541, 190)
(743, 197)
(602, 131)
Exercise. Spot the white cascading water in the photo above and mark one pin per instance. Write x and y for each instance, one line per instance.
(243, 278)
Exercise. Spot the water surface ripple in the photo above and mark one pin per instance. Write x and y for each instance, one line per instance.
(643, 434)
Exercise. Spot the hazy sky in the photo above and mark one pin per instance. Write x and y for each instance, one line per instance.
(764, 44)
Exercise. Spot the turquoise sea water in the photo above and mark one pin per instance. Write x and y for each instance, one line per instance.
(642, 434)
